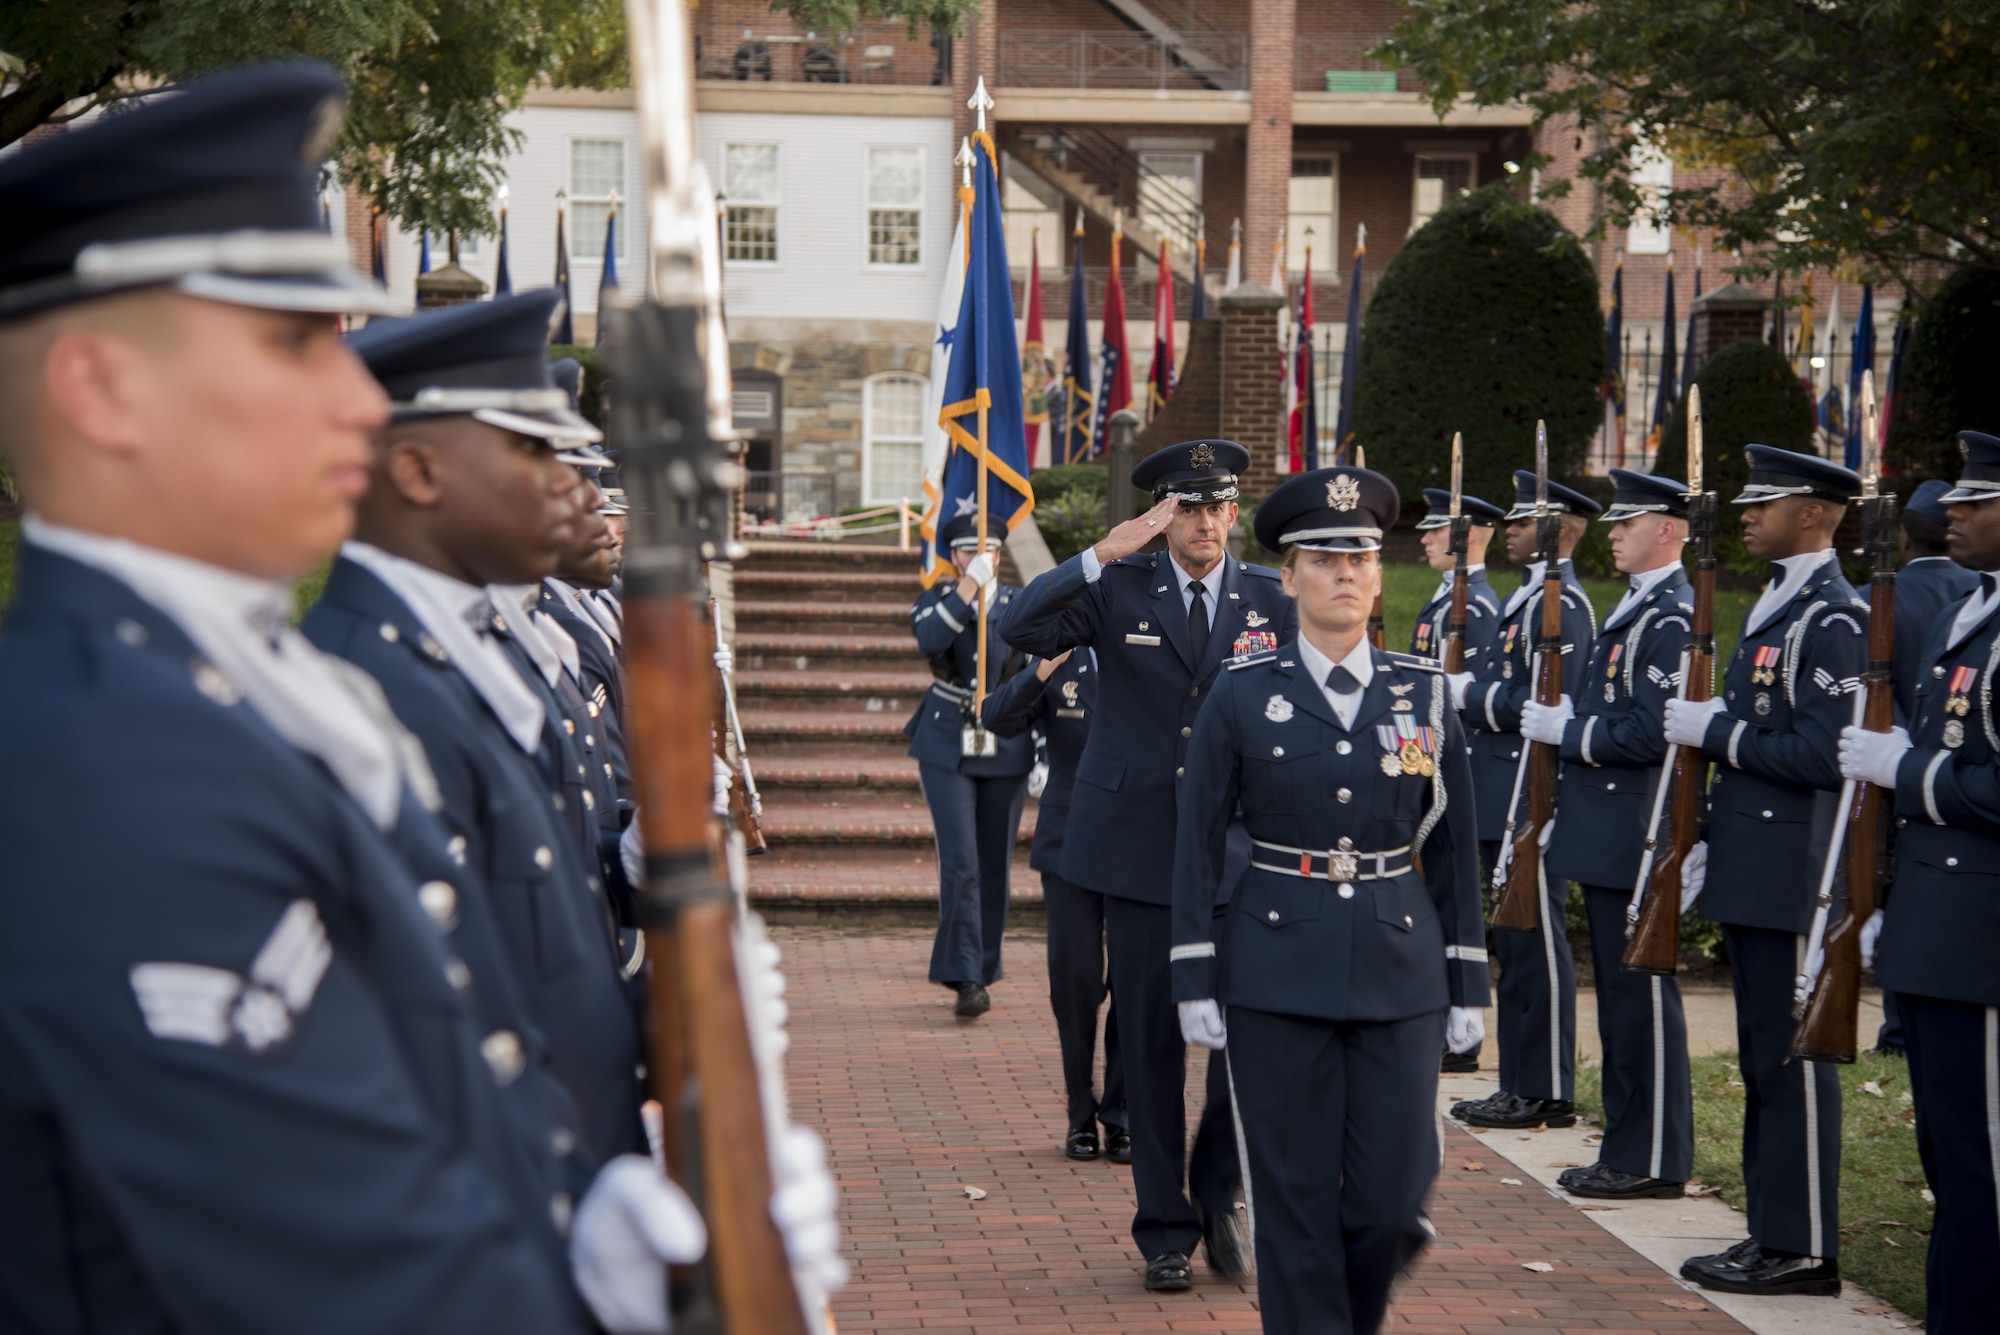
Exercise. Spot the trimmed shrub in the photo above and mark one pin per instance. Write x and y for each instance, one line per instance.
(590, 402)
(1749, 396)
(1948, 380)
(1486, 321)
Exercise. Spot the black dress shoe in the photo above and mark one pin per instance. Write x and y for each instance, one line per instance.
(1767, 1274)
(1604, 1183)
(972, 1001)
(1222, 1238)
(1081, 1145)
(1524, 1114)
(1169, 1272)
(1746, 1248)
(1495, 1104)
(1459, 1063)
(1117, 1144)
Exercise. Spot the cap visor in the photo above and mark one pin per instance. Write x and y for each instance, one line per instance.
(560, 425)
(1961, 495)
(334, 293)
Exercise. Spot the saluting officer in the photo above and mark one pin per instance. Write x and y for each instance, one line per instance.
(467, 492)
(1344, 965)
(1057, 698)
(1161, 625)
(1612, 748)
(330, 1132)
(1937, 943)
(975, 800)
(1482, 605)
(1772, 736)
(1535, 1009)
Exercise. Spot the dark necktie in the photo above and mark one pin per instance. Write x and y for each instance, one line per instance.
(1197, 619)
(1777, 574)
(1340, 681)
(1986, 585)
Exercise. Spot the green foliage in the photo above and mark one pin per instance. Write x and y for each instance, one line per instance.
(1070, 520)
(1749, 396)
(1088, 478)
(1486, 321)
(1835, 131)
(7, 536)
(1885, 1222)
(1948, 382)
(590, 400)
(431, 81)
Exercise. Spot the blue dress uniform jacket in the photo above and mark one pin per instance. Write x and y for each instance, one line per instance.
(1613, 749)
(1925, 589)
(1150, 688)
(502, 822)
(1775, 750)
(1379, 949)
(603, 683)
(947, 631)
(337, 1157)
(1482, 622)
(1061, 707)
(1504, 680)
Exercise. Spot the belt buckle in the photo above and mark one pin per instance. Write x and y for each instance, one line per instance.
(1342, 865)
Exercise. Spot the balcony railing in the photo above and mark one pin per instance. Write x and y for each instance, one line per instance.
(876, 54)
(1339, 63)
(1119, 60)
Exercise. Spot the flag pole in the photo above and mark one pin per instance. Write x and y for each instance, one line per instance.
(981, 100)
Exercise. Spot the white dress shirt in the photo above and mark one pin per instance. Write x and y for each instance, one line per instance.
(1359, 661)
(518, 605)
(594, 614)
(1530, 583)
(322, 705)
(1211, 583)
(1972, 613)
(1642, 584)
(447, 609)
(1777, 594)
(1444, 581)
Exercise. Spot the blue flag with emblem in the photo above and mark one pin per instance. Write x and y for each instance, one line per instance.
(982, 410)
(607, 283)
(1078, 401)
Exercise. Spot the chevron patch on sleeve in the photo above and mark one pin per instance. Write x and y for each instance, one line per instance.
(197, 1003)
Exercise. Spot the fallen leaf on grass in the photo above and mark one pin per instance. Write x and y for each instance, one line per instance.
(1929, 1198)
(973, 1193)
(1870, 1087)
(1891, 1241)
(1698, 1189)
(1892, 1223)
(1884, 1310)
(1594, 1138)
(1904, 1097)
(1471, 1167)
(1685, 1304)
(1539, 1267)
(1736, 1084)
(1597, 1209)
(1510, 1181)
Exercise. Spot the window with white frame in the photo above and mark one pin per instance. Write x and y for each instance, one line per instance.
(1312, 216)
(468, 246)
(1441, 178)
(750, 203)
(892, 441)
(1170, 195)
(1029, 219)
(895, 207)
(596, 174)
(1652, 172)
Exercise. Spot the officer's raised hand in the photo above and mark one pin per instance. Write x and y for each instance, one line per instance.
(1134, 534)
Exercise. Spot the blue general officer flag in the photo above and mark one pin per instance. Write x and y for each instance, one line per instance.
(982, 395)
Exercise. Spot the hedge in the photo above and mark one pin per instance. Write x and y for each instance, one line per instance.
(1486, 321)
(591, 401)
(1949, 383)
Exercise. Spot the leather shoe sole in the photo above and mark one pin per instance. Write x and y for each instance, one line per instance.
(1529, 1113)
(1600, 1183)
(1169, 1272)
(1772, 1277)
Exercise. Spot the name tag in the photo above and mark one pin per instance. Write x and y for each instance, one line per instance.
(1069, 713)
(1153, 640)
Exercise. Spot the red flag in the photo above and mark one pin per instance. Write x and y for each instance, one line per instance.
(1034, 361)
(1160, 382)
(1117, 393)
(1301, 425)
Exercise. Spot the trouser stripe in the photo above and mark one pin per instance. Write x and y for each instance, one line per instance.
(1659, 1078)
(1555, 981)
(1807, 1073)
(1992, 1060)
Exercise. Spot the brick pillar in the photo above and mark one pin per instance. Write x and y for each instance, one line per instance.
(1268, 161)
(1728, 314)
(975, 54)
(1253, 399)
(359, 212)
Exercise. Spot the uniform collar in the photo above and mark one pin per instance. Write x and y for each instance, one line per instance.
(1360, 661)
(1799, 571)
(1211, 583)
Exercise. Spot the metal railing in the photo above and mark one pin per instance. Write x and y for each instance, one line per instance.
(1120, 60)
(1340, 63)
(876, 54)
(1156, 201)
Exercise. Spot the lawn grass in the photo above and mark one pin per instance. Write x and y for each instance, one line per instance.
(1884, 1219)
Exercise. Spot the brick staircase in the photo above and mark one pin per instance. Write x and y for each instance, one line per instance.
(826, 674)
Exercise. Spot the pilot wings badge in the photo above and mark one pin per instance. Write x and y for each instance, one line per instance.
(1253, 618)
(1343, 493)
(1278, 709)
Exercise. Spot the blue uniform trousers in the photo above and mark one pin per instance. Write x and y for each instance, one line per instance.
(1955, 1078)
(1642, 1031)
(1077, 987)
(1535, 1004)
(1791, 1109)
(1889, 1038)
(1341, 1120)
(977, 820)
(1140, 937)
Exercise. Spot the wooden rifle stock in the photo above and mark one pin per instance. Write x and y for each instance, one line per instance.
(1829, 1029)
(1518, 906)
(1454, 621)
(1653, 944)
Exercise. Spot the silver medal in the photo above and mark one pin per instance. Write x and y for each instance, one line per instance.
(1763, 702)
(1610, 693)
(1954, 734)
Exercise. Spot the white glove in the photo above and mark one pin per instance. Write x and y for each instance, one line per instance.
(980, 570)
(803, 1206)
(1687, 721)
(1694, 874)
(1038, 778)
(725, 661)
(1544, 723)
(632, 852)
(1548, 833)
(632, 1222)
(722, 778)
(1506, 861)
(1871, 932)
(1464, 1028)
(767, 982)
(1201, 1025)
(1872, 757)
(1458, 681)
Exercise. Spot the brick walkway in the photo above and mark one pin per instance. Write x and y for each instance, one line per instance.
(917, 1106)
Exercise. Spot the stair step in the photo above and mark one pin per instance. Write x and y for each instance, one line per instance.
(873, 692)
(872, 826)
(828, 585)
(890, 774)
(802, 876)
(767, 651)
(878, 617)
(770, 555)
(845, 733)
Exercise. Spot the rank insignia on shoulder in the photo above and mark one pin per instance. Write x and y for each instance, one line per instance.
(197, 1003)
(1278, 709)
(1246, 660)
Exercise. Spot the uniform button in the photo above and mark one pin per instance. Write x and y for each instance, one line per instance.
(1902, 822)
(607, 767)
(1346, 891)
(1179, 771)
(557, 798)
(1193, 693)
(1732, 695)
(589, 739)
(502, 1050)
(1342, 748)
(1951, 862)
(561, 1139)
(589, 800)
(1407, 922)
(456, 847)
(569, 726)
(1272, 915)
(1277, 751)
(545, 859)
(561, 1208)
(457, 974)
(390, 633)
(133, 634)
(1343, 795)
(1610, 787)
(1513, 755)
(439, 900)
(581, 771)
(1767, 815)
(1937, 669)
(1187, 732)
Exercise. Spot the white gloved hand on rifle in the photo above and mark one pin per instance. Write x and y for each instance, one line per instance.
(803, 1205)
(632, 1224)
(725, 661)
(1544, 723)
(1873, 757)
(1201, 1025)
(1694, 874)
(1458, 682)
(1687, 720)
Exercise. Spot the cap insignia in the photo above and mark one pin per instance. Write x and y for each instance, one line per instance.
(1343, 493)
(1202, 456)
